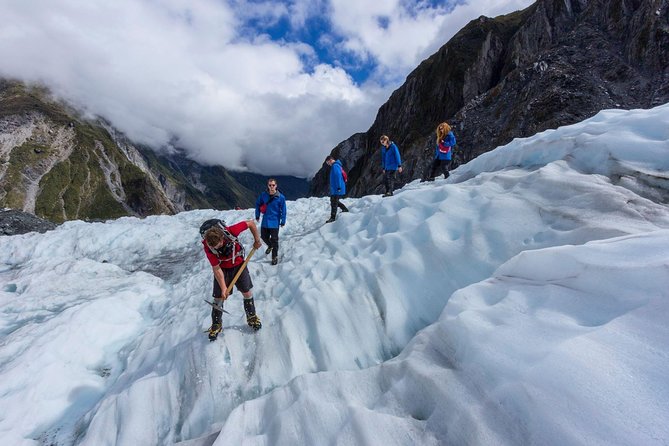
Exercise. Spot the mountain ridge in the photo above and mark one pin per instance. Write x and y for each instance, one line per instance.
(554, 63)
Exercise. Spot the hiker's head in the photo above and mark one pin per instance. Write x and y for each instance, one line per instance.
(272, 185)
(385, 141)
(442, 130)
(329, 160)
(215, 237)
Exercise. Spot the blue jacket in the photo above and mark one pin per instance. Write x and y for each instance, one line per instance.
(275, 214)
(390, 157)
(337, 185)
(445, 144)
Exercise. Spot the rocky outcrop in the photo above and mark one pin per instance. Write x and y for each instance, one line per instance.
(555, 63)
(13, 222)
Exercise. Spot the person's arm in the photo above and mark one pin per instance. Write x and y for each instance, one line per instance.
(256, 235)
(283, 210)
(220, 278)
(258, 203)
(340, 180)
(399, 159)
(451, 139)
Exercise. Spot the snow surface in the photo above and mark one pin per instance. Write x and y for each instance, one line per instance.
(523, 301)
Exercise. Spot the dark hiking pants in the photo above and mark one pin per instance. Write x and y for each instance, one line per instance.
(443, 165)
(389, 180)
(334, 204)
(271, 237)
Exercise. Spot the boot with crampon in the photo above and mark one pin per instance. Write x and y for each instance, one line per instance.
(216, 324)
(251, 317)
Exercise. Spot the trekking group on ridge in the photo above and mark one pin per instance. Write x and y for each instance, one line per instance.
(226, 254)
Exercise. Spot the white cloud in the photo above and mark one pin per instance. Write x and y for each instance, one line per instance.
(399, 35)
(191, 70)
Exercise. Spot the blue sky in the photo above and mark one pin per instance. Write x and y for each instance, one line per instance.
(265, 86)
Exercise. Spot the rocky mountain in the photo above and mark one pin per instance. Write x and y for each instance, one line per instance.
(59, 166)
(555, 63)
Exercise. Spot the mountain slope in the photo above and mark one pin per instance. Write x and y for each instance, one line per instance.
(60, 166)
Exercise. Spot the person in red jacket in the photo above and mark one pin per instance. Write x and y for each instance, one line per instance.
(226, 256)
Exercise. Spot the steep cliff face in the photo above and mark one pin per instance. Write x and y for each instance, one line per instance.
(59, 166)
(555, 63)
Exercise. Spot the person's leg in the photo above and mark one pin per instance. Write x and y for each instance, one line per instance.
(274, 243)
(446, 167)
(391, 182)
(244, 284)
(216, 315)
(433, 169)
(252, 318)
(341, 205)
(334, 202)
(265, 236)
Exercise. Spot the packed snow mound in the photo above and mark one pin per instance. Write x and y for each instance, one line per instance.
(521, 301)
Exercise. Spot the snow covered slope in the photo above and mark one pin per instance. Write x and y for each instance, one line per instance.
(522, 301)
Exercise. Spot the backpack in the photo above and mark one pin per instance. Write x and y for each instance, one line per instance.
(204, 227)
(343, 174)
(229, 251)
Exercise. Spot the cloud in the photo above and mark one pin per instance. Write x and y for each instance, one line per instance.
(398, 34)
(206, 74)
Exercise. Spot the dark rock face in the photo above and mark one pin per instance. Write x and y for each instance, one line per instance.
(14, 222)
(555, 63)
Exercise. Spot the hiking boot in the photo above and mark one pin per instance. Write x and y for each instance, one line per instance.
(275, 261)
(387, 194)
(268, 250)
(251, 318)
(330, 220)
(214, 330)
(254, 322)
(344, 210)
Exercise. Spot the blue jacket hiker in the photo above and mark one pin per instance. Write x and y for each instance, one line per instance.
(337, 187)
(443, 151)
(272, 204)
(390, 162)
